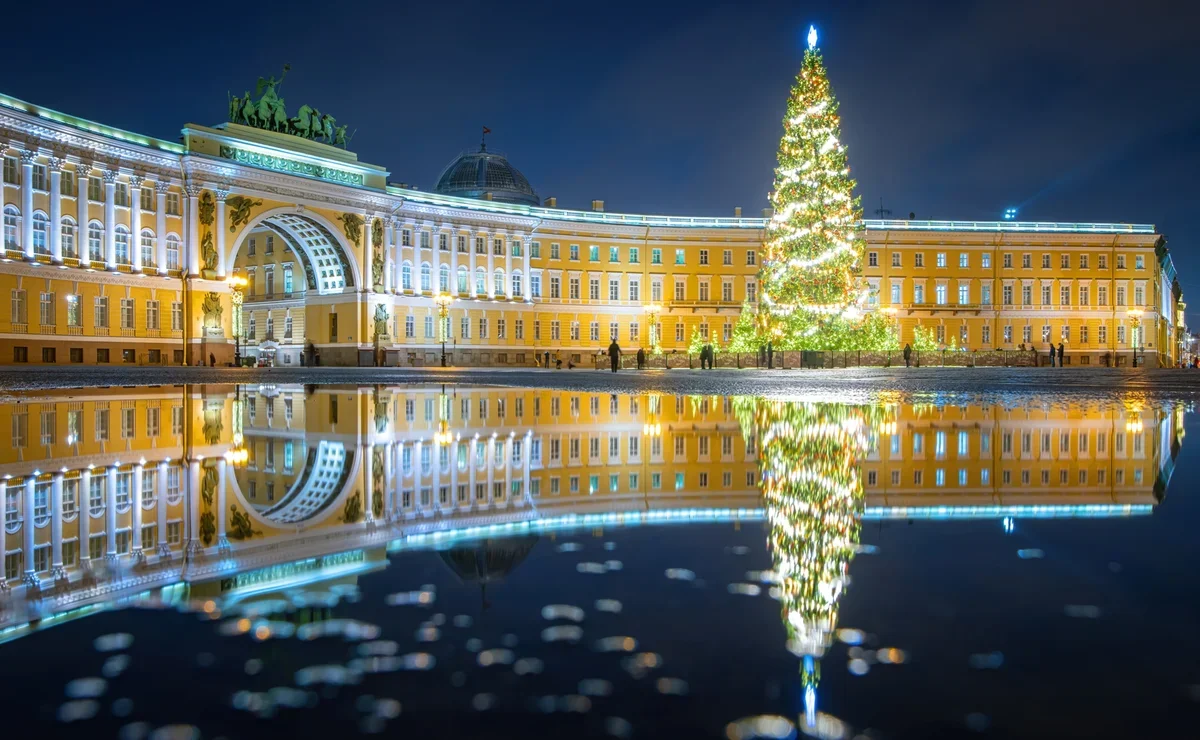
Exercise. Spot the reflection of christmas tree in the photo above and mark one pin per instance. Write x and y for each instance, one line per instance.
(808, 455)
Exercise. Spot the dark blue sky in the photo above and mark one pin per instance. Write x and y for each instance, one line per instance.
(1083, 110)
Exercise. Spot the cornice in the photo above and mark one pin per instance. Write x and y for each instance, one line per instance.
(42, 271)
(53, 139)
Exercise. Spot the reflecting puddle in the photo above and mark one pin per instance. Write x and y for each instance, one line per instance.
(490, 561)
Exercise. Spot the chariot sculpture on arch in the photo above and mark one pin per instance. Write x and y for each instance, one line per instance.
(267, 110)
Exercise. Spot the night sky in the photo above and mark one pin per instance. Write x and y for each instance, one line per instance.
(1077, 111)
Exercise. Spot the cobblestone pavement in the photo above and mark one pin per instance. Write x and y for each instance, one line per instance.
(855, 384)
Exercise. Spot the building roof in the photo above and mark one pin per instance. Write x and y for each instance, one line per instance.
(478, 174)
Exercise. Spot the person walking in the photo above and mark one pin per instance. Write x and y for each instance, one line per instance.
(908, 355)
(711, 355)
(1062, 356)
(547, 363)
(212, 361)
(641, 359)
(614, 355)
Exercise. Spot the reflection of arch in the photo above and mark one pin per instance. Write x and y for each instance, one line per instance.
(329, 472)
(488, 561)
(328, 264)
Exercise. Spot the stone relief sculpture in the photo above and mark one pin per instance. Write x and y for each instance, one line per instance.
(208, 251)
(208, 208)
(267, 110)
(239, 212)
(240, 526)
(381, 321)
(212, 311)
(352, 511)
(352, 224)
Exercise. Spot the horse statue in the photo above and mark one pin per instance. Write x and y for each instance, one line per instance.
(249, 112)
(302, 124)
(279, 121)
(327, 125)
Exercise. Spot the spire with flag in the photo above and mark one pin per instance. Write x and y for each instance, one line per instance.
(483, 139)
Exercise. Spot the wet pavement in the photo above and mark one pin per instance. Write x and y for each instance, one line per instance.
(503, 562)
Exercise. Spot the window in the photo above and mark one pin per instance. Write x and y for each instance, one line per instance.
(1064, 295)
(1139, 262)
(1102, 295)
(680, 290)
(1065, 261)
(12, 171)
(1027, 334)
(1102, 334)
(173, 204)
(1102, 261)
(635, 288)
(1139, 297)
(176, 316)
(873, 259)
(573, 288)
(1027, 261)
(1027, 294)
(895, 259)
(41, 230)
(986, 260)
(573, 251)
(1120, 262)
(172, 252)
(679, 257)
(100, 312)
(95, 189)
(46, 309)
(918, 294)
(1084, 295)
(895, 294)
(68, 238)
(941, 294)
(146, 247)
(1046, 294)
(1008, 335)
(555, 286)
(126, 313)
(1006, 295)
(152, 315)
(941, 259)
(964, 259)
(1045, 262)
(919, 259)
(656, 256)
(1120, 295)
(594, 288)
(633, 256)
(964, 293)
(1083, 334)
(704, 256)
(985, 334)
(985, 294)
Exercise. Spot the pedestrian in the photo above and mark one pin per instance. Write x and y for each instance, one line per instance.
(1062, 356)
(704, 357)
(770, 355)
(547, 364)
(212, 361)
(614, 355)
(1051, 355)
(907, 355)
(709, 350)
(641, 359)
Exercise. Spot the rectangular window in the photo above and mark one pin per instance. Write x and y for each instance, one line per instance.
(873, 259)
(173, 204)
(751, 257)
(656, 256)
(127, 313)
(679, 257)
(100, 312)
(704, 256)
(1027, 261)
(941, 259)
(895, 259)
(1102, 261)
(919, 259)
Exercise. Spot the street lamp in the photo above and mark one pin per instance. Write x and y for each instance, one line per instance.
(652, 312)
(443, 301)
(1135, 318)
(237, 284)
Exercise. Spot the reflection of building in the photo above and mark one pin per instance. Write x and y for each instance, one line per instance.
(148, 231)
(115, 491)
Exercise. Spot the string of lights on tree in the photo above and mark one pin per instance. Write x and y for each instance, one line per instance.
(812, 293)
(809, 456)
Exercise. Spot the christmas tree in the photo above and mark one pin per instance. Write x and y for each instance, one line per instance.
(812, 295)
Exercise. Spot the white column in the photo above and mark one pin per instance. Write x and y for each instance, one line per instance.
(55, 165)
(389, 479)
(417, 474)
(490, 461)
(135, 534)
(160, 225)
(85, 517)
(368, 285)
(222, 538)
(526, 454)
(135, 221)
(526, 278)
(110, 220)
(27, 528)
(389, 234)
(192, 245)
(3, 149)
(453, 236)
(220, 227)
(434, 260)
(193, 515)
(471, 469)
(436, 453)
(471, 262)
(508, 471)
(397, 256)
(110, 512)
(83, 172)
(508, 293)
(490, 283)
(369, 484)
(56, 499)
(416, 266)
(454, 473)
(27, 159)
(3, 483)
(160, 503)
(397, 452)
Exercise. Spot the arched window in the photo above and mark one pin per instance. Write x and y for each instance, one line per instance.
(172, 252)
(97, 496)
(516, 284)
(122, 239)
(480, 281)
(147, 247)
(406, 276)
(498, 282)
(462, 280)
(41, 233)
(96, 241)
(426, 275)
(444, 278)
(12, 227)
(68, 238)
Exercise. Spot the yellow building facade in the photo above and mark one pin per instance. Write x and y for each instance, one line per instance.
(241, 242)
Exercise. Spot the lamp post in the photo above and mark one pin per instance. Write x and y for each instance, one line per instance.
(1135, 319)
(652, 312)
(237, 284)
(443, 301)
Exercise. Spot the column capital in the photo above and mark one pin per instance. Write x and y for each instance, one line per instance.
(83, 169)
(221, 195)
(55, 164)
(162, 186)
(192, 190)
(135, 181)
(28, 156)
(110, 176)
